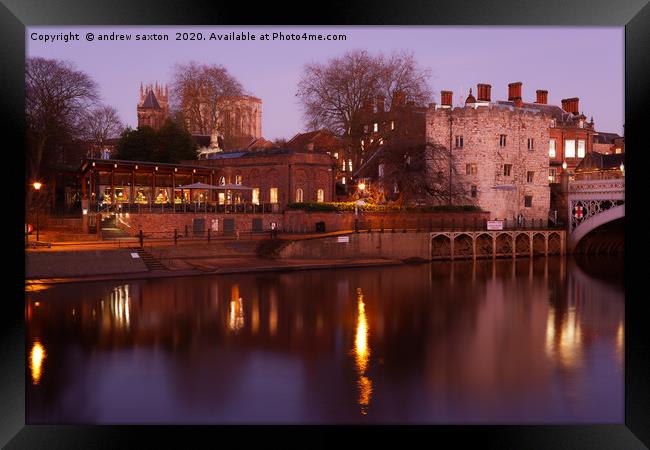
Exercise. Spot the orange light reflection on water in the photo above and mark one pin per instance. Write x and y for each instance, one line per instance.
(36, 358)
(362, 354)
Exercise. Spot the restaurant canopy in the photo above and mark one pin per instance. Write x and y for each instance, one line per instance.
(212, 187)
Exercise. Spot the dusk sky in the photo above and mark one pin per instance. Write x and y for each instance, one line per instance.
(579, 62)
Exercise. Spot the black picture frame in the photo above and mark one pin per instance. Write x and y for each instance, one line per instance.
(634, 15)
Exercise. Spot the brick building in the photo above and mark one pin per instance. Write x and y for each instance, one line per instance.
(324, 141)
(499, 153)
(608, 143)
(276, 175)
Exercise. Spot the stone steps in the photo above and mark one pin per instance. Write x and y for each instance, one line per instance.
(151, 262)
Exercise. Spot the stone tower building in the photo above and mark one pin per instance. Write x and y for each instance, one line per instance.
(153, 107)
(499, 154)
(239, 120)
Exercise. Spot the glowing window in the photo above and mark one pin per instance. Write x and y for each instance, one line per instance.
(569, 148)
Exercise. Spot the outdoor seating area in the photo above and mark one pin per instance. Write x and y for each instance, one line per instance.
(134, 186)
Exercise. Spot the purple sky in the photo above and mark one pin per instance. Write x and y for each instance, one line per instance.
(579, 62)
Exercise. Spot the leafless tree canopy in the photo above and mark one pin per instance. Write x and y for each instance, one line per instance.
(100, 124)
(332, 94)
(419, 175)
(56, 96)
(197, 89)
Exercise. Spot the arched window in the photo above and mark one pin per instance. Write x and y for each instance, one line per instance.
(222, 181)
(320, 195)
(299, 195)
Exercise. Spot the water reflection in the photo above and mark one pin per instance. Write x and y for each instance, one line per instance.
(563, 343)
(362, 354)
(481, 342)
(236, 316)
(36, 358)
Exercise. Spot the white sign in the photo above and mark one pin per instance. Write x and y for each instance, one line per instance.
(344, 239)
(134, 255)
(495, 225)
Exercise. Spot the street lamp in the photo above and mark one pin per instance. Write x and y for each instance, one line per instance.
(564, 165)
(362, 186)
(622, 167)
(37, 188)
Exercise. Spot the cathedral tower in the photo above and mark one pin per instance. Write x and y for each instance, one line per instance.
(153, 107)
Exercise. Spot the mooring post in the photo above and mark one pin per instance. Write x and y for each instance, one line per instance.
(141, 236)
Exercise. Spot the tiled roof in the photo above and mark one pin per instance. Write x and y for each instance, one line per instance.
(605, 138)
(595, 160)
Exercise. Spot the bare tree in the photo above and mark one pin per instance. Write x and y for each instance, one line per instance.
(56, 94)
(99, 125)
(332, 94)
(416, 175)
(197, 91)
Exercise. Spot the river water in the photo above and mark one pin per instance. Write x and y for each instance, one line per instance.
(526, 341)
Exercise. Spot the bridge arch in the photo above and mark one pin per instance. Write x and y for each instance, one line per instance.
(617, 212)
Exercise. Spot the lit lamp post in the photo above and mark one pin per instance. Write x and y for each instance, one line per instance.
(622, 167)
(362, 187)
(37, 187)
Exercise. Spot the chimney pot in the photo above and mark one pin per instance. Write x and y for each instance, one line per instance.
(571, 105)
(483, 93)
(445, 98)
(542, 97)
(514, 91)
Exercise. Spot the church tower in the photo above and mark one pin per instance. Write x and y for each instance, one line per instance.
(153, 107)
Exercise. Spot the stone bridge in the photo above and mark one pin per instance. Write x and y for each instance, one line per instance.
(593, 203)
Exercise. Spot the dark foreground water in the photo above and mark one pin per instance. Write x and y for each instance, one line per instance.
(520, 342)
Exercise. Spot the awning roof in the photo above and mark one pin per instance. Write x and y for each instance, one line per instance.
(223, 187)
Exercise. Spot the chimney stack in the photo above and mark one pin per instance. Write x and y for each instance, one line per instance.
(380, 103)
(514, 91)
(571, 105)
(542, 97)
(399, 99)
(445, 98)
(483, 93)
(367, 105)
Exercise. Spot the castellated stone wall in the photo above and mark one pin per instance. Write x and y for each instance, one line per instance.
(504, 196)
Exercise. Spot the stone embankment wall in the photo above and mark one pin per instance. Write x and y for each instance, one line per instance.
(302, 221)
(163, 225)
(361, 245)
(299, 221)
